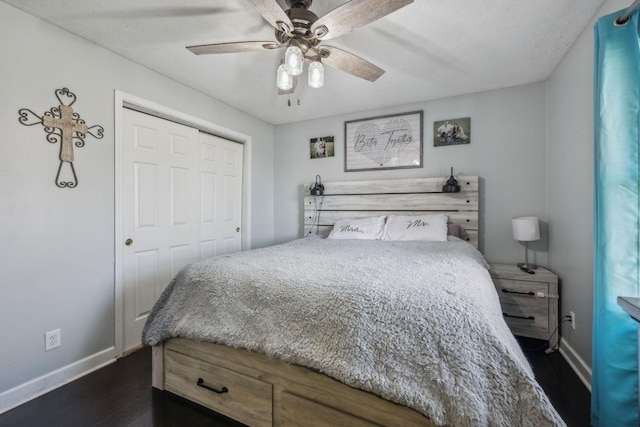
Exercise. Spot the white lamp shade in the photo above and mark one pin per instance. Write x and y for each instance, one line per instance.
(526, 228)
(293, 60)
(284, 80)
(316, 74)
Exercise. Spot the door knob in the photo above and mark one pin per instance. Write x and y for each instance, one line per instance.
(237, 229)
(128, 242)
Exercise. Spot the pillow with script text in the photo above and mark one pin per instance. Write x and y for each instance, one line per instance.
(363, 228)
(416, 227)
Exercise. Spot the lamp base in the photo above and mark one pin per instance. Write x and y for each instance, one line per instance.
(525, 265)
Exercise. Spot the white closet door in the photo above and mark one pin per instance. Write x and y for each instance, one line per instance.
(221, 200)
(173, 189)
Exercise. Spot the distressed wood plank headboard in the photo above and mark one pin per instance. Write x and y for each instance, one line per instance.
(409, 196)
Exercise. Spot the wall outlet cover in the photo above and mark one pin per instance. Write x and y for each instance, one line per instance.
(52, 339)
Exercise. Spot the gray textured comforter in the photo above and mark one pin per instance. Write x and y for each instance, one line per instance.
(417, 323)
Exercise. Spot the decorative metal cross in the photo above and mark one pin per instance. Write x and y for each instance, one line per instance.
(65, 126)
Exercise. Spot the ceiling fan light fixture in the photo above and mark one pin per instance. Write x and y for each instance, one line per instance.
(316, 74)
(284, 80)
(293, 60)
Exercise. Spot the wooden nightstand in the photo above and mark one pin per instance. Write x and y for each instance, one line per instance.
(529, 301)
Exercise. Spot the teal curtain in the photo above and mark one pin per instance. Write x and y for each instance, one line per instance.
(614, 393)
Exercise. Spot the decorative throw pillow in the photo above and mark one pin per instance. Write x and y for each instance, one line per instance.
(363, 228)
(456, 230)
(418, 227)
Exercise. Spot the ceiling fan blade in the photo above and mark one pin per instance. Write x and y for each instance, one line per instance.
(206, 49)
(350, 63)
(274, 14)
(352, 15)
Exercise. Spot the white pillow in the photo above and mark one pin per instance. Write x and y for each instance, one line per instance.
(418, 227)
(364, 228)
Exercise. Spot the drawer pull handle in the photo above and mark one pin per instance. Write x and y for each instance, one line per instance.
(201, 383)
(519, 317)
(507, 291)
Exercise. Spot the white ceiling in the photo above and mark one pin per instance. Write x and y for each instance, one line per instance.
(430, 49)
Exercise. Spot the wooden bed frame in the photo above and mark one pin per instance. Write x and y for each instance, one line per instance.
(259, 391)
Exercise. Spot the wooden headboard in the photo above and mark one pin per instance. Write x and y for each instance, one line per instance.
(410, 196)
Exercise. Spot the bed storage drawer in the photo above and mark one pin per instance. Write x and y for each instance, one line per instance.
(243, 398)
(300, 411)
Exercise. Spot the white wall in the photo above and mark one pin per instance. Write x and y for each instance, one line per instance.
(57, 245)
(570, 183)
(507, 151)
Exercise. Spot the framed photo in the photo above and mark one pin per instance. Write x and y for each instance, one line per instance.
(452, 132)
(321, 147)
(385, 142)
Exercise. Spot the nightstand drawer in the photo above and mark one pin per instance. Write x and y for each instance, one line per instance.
(520, 292)
(528, 318)
(529, 301)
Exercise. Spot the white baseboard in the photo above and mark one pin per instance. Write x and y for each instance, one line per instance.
(577, 364)
(50, 381)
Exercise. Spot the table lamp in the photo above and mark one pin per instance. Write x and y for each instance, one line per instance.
(526, 229)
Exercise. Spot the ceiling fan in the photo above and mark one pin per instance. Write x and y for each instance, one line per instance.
(301, 32)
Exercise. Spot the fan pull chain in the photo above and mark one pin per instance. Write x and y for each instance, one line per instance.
(289, 101)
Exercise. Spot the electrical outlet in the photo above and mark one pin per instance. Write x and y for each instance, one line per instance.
(52, 339)
(573, 319)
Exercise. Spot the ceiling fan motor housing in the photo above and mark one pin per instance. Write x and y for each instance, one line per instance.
(302, 20)
(299, 3)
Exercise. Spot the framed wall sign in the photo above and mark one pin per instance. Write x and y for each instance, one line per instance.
(385, 142)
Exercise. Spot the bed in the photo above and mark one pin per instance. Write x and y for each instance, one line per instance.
(351, 331)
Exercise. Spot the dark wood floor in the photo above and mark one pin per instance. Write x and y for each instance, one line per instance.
(121, 395)
(569, 395)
